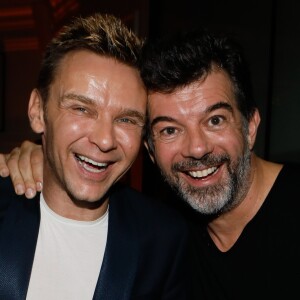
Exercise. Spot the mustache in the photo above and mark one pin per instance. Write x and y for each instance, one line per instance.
(208, 160)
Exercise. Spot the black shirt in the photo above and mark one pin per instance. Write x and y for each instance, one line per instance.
(264, 263)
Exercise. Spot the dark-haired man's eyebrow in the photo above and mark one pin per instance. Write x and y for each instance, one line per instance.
(161, 119)
(211, 108)
(219, 105)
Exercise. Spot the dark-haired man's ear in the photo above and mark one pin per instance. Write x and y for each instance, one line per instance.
(252, 129)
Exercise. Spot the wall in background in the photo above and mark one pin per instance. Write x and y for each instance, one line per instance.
(268, 30)
(25, 28)
(284, 139)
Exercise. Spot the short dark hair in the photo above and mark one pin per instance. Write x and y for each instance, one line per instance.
(103, 34)
(171, 63)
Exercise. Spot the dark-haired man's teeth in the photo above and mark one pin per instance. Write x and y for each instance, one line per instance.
(203, 173)
(92, 162)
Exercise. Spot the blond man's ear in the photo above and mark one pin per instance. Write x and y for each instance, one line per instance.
(36, 112)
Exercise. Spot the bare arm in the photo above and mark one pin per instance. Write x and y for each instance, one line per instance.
(24, 165)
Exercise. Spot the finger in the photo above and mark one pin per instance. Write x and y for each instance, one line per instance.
(4, 171)
(30, 160)
(37, 166)
(12, 161)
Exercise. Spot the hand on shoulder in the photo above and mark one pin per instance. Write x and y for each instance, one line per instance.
(24, 165)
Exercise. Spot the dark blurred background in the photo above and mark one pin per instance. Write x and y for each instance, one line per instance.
(269, 32)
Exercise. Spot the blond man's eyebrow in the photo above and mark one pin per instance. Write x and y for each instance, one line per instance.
(81, 98)
(134, 113)
(126, 111)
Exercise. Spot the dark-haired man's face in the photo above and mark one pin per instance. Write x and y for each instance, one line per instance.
(202, 144)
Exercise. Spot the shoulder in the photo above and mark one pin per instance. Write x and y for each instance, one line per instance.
(291, 168)
(7, 192)
(147, 210)
(12, 203)
(6, 185)
(285, 192)
(289, 174)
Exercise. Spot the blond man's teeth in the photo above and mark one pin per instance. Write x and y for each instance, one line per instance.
(92, 162)
(91, 169)
(203, 173)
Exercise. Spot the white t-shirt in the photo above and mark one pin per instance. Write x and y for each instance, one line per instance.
(68, 257)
